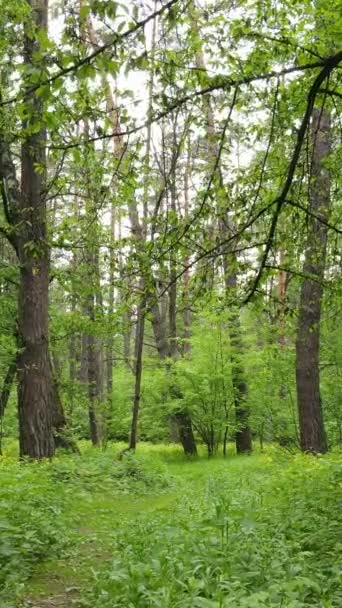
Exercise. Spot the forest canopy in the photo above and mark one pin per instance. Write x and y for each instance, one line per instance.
(170, 223)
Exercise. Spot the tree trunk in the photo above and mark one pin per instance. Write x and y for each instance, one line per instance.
(72, 364)
(243, 436)
(25, 209)
(93, 375)
(110, 341)
(4, 395)
(91, 344)
(59, 421)
(35, 382)
(182, 418)
(186, 434)
(312, 432)
(7, 386)
(139, 344)
(187, 317)
(243, 433)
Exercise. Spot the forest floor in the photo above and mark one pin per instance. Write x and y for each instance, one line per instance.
(249, 532)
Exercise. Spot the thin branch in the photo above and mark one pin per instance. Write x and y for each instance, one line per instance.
(314, 215)
(98, 51)
(281, 199)
(220, 83)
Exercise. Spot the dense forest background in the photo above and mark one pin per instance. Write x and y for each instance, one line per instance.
(170, 224)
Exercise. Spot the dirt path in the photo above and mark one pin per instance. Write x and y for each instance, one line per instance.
(60, 583)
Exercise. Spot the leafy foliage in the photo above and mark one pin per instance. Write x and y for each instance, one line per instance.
(236, 543)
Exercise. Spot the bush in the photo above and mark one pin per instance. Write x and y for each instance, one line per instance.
(98, 471)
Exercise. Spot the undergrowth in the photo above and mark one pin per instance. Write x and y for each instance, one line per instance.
(247, 532)
(38, 504)
(240, 544)
(32, 521)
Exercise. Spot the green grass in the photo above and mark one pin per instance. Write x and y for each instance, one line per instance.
(159, 531)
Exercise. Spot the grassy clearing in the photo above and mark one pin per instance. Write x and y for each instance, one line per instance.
(158, 531)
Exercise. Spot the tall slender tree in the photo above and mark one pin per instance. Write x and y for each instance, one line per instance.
(312, 432)
(243, 438)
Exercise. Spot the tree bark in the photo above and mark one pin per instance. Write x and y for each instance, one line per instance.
(36, 389)
(312, 432)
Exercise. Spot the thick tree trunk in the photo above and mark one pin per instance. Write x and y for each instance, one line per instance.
(34, 370)
(312, 432)
(59, 421)
(26, 210)
(35, 382)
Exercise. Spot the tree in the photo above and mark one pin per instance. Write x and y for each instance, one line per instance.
(25, 209)
(312, 432)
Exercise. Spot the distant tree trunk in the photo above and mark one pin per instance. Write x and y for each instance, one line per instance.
(109, 359)
(93, 374)
(90, 342)
(139, 230)
(187, 317)
(7, 386)
(243, 438)
(83, 369)
(312, 432)
(281, 294)
(59, 421)
(182, 417)
(5, 394)
(110, 340)
(173, 261)
(138, 364)
(126, 318)
(99, 341)
(72, 360)
(186, 434)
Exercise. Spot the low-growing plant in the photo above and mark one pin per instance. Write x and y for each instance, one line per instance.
(237, 545)
(104, 470)
(32, 521)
